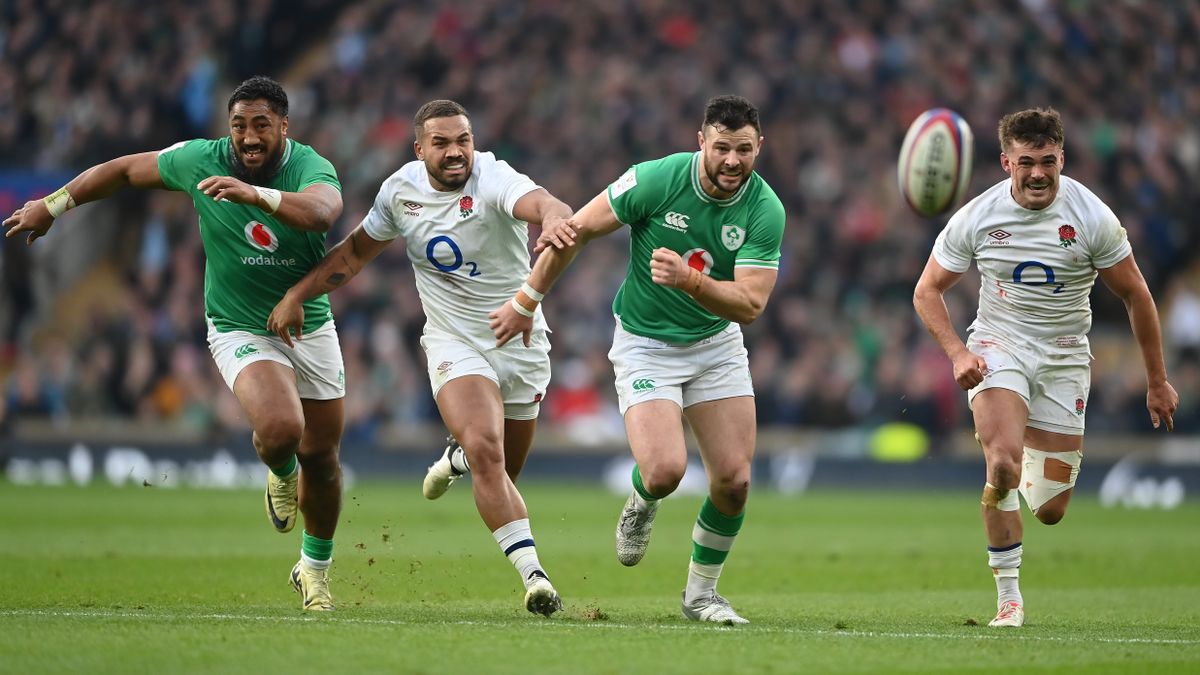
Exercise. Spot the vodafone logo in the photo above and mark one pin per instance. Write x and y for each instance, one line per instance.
(699, 260)
(261, 237)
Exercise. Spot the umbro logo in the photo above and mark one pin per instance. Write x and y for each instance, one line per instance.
(412, 208)
(643, 385)
(999, 238)
(676, 221)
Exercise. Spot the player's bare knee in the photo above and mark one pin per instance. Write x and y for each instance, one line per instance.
(1050, 516)
(322, 465)
(485, 453)
(662, 479)
(1004, 473)
(732, 491)
(279, 436)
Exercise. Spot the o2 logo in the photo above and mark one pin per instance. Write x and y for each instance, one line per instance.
(431, 250)
(1019, 271)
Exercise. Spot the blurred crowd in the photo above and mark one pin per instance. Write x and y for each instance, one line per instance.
(572, 94)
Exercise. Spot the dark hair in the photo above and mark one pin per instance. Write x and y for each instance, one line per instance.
(261, 87)
(730, 112)
(1035, 126)
(439, 108)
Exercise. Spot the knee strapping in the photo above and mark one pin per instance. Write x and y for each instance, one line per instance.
(999, 499)
(1045, 475)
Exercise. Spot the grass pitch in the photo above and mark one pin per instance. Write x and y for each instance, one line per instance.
(151, 580)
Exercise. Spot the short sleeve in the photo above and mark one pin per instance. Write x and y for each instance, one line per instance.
(953, 248)
(1111, 244)
(176, 163)
(318, 170)
(638, 193)
(764, 237)
(380, 223)
(503, 185)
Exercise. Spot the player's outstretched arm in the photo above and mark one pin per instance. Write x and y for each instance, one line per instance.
(313, 209)
(1126, 281)
(543, 208)
(100, 181)
(930, 303)
(515, 317)
(337, 268)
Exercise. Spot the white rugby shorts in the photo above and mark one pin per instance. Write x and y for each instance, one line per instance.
(707, 370)
(521, 372)
(316, 359)
(1054, 381)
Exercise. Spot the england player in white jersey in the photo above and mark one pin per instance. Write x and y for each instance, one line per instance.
(1039, 240)
(463, 216)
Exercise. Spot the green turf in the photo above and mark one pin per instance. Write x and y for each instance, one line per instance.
(155, 580)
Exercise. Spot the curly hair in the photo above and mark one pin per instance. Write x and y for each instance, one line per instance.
(261, 87)
(1035, 126)
(730, 112)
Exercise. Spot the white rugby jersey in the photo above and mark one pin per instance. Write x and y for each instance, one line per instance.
(469, 253)
(1037, 268)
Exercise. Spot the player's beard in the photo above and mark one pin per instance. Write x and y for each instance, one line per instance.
(453, 183)
(714, 176)
(258, 176)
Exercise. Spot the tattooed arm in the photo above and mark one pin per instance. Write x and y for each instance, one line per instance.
(337, 268)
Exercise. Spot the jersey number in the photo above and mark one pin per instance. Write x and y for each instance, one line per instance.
(431, 249)
(1020, 269)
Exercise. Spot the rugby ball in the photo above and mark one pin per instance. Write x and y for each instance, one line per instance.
(935, 161)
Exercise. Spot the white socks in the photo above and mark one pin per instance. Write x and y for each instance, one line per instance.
(701, 581)
(516, 540)
(1006, 567)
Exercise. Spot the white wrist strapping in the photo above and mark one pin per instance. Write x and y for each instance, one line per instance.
(270, 196)
(521, 310)
(533, 295)
(59, 202)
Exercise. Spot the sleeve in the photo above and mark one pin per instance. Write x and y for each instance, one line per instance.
(764, 237)
(953, 248)
(637, 194)
(380, 223)
(318, 170)
(503, 185)
(1112, 242)
(176, 164)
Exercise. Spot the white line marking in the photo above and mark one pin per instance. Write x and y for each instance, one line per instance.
(573, 624)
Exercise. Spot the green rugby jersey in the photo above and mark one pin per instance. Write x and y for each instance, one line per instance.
(665, 206)
(252, 259)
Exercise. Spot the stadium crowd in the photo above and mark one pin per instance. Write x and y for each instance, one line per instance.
(572, 94)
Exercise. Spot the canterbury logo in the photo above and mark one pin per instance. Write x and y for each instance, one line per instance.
(244, 351)
(643, 385)
(676, 221)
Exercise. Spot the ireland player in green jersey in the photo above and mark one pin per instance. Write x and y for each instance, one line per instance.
(265, 204)
(705, 232)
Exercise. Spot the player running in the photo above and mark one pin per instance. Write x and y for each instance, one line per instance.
(1039, 239)
(463, 216)
(704, 254)
(265, 203)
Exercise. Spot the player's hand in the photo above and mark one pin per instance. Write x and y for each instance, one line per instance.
(287, 318)
(33, 218)
(1161, 401)
(229, 189)
(667, 268)
(506, 323)
(557, 232)
(969, 369)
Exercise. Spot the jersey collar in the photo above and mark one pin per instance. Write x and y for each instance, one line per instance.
(707, 198)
